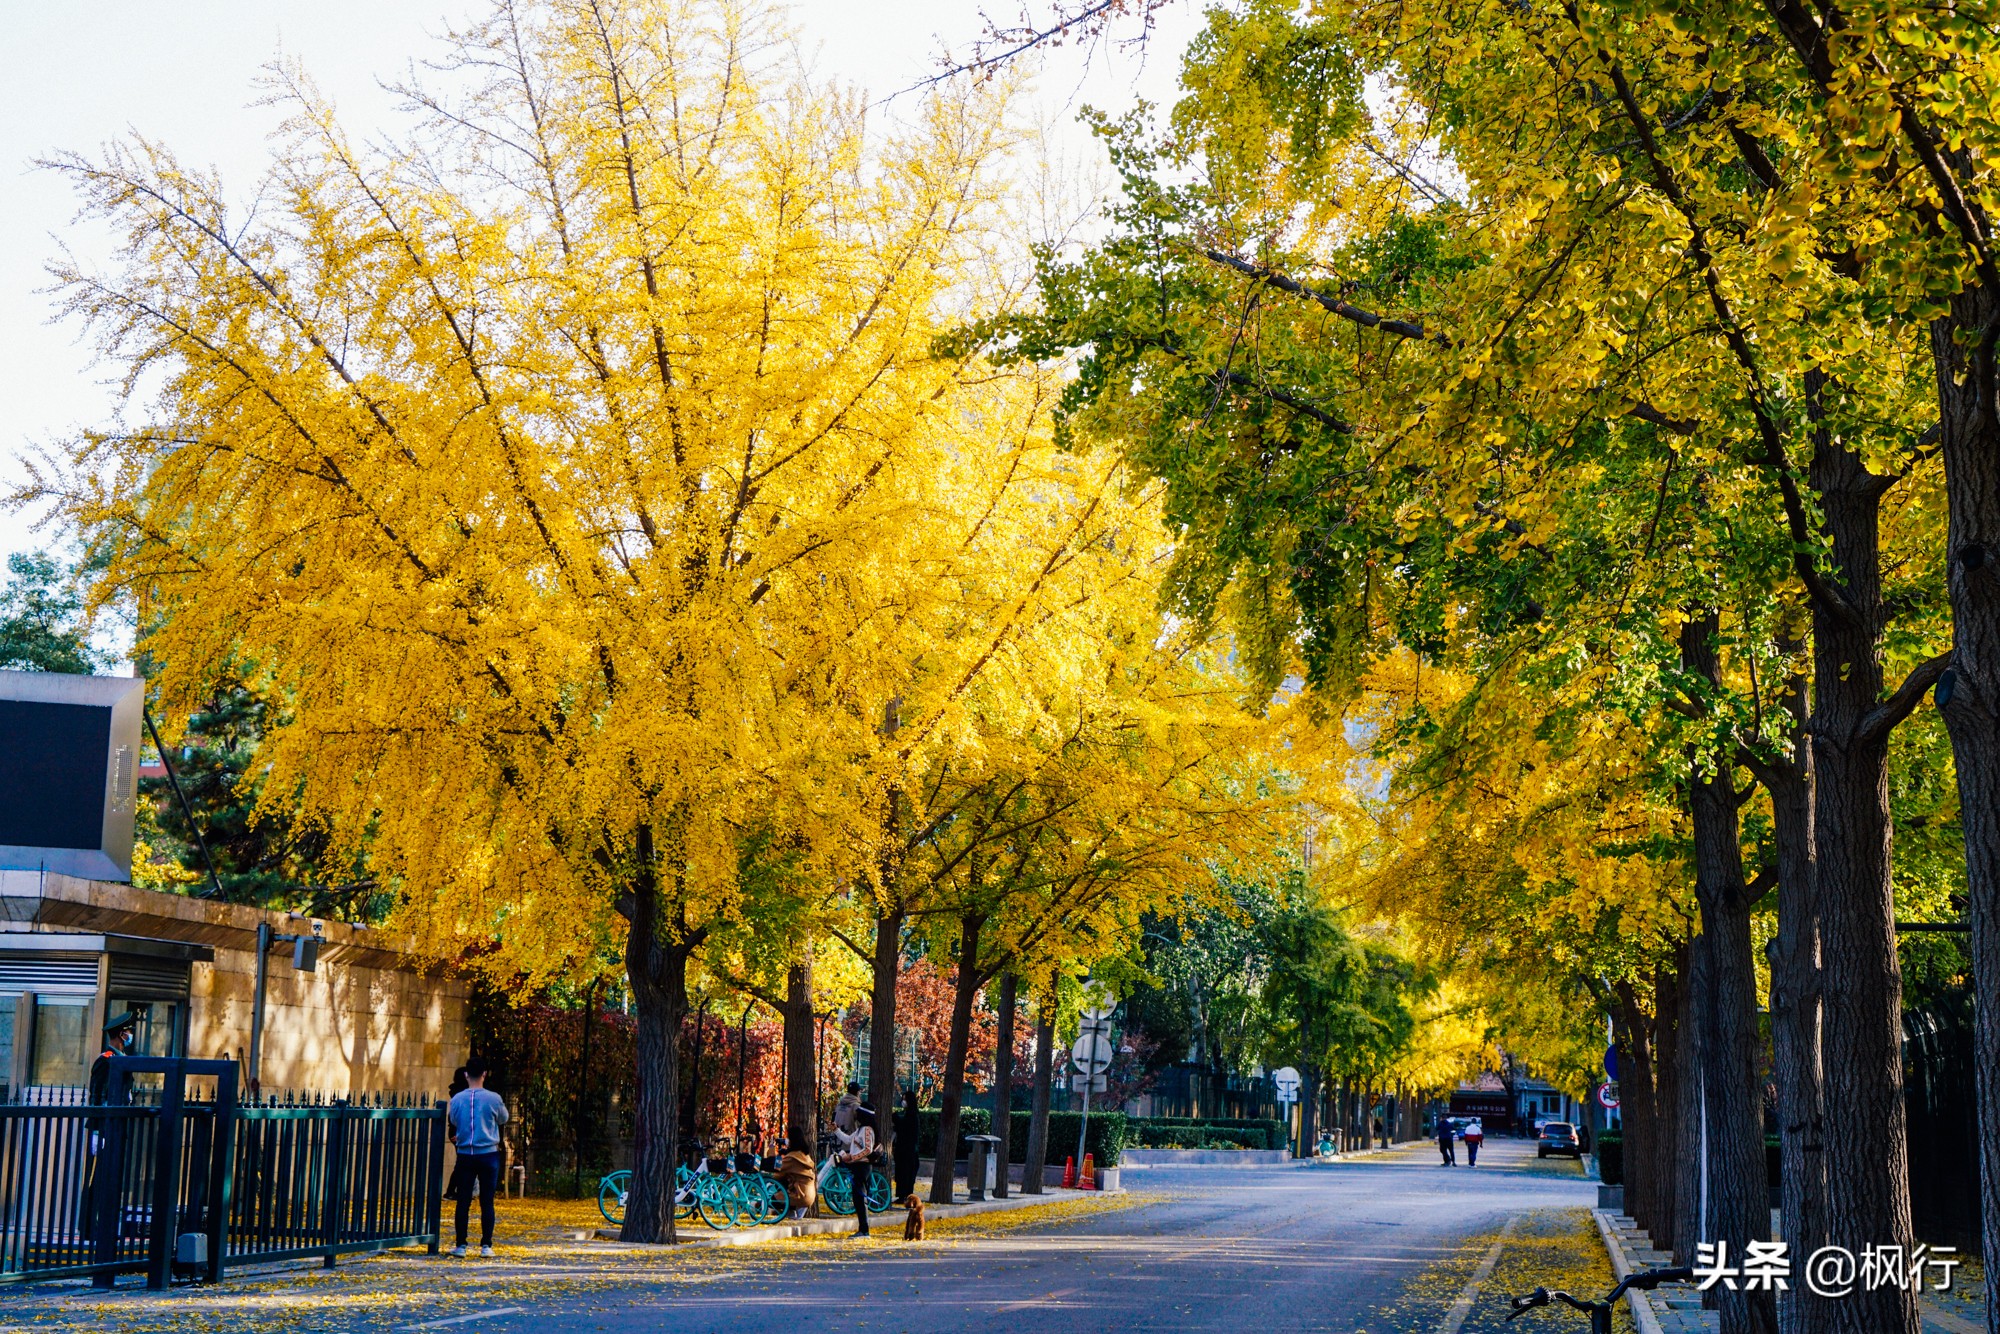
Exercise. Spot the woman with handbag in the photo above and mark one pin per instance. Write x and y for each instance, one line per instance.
(857, 1155)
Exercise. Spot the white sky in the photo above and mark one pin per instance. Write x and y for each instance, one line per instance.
(75, 75)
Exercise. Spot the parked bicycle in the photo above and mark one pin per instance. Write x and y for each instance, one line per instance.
(733, 1196)
(836, 1187)
(1644, 1280)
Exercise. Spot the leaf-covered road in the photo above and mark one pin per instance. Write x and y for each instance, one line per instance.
(1375, 1244)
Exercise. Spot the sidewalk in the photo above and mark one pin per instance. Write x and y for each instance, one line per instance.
(546, 1253)
(1677, 1308)
(891, 1219)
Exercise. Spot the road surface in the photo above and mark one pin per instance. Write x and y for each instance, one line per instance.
(1376, 1244)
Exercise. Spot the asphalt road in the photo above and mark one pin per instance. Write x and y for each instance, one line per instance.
(1374, 1244)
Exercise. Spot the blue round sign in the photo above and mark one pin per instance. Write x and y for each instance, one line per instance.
(1611, 1062)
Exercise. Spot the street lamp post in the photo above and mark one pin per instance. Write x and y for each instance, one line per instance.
(305, 958)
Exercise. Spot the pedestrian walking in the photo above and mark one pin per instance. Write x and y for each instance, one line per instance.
(798, 1176)
(1446, 1150)
(474, 1118)
(903, 1144)
(857, 1155)
(1475, 1135)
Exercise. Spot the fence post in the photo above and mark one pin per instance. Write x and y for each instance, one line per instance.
(335, 1198)
(166, 1183)
(222, 1171)
(434, 1186)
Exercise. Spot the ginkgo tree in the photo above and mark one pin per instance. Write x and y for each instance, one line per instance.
(566, 462)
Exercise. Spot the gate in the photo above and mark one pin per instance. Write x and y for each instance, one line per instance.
(157, 1180)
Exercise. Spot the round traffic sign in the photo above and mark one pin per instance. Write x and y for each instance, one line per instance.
(1288, 1082)
(1098, 1001)
(1611, 1062)
(1092, 1053)
(1607, 1095)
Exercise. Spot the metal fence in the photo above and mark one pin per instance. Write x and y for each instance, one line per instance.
(1940, 1097)
(173, 1175)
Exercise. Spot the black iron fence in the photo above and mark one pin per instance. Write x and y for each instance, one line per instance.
(173, 1175)
(1940, 1098)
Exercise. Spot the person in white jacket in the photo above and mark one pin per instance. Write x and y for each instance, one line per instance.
(857, 1155)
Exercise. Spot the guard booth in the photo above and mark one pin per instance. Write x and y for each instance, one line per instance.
(58, 989)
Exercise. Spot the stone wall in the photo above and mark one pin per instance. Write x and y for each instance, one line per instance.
(344, 1029)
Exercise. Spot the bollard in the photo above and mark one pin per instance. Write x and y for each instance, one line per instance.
(1069, 1172)
(1086, 1179)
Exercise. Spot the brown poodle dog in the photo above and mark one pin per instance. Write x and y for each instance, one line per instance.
(913, 1226)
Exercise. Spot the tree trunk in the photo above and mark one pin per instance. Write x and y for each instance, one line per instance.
(1738, 1202)
(656, 965)
(1308, 1110)
(882, 1016)
(1003, 1085)
(1636, 1101)
(1038, 1119)
(691, 1101)
(1795, 1024)
(801, 1083)
(1867, 1151)
(1685, 1168)
(1970, 424)
(952, 1097)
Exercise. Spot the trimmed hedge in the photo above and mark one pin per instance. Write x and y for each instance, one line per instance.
(1107, 1137)
(1107, 1134)
(1191, 1137)
(1264, 1134)
(971, 1121)
(1611, 1158)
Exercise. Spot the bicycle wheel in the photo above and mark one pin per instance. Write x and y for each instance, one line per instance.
(878, 1190)
(686, 1186)
(777, 1203)
(836, 1194)
(611, 1194)
(712, 1202)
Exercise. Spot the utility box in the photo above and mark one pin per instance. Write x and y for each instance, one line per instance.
(981, 1161)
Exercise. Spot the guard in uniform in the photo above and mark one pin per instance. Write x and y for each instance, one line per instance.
(118, 1037)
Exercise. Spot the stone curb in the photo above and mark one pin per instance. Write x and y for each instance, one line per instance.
(814, 1227)
(1621, 1265)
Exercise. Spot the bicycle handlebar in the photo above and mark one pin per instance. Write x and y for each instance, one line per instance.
(1643, 1280)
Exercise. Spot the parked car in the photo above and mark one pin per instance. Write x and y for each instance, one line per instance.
(1558, 1137)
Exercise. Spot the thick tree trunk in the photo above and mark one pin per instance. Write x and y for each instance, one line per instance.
(1635, 1101)
(1038, 1119)
(1738, 1210)
(882, 1016)
(656, 965)
(952, 1097)
(1970, 423)
(1867, 1152)
(1688, 1116)
(1669, 981)
(1003, 1084)
(801, 1086)
(1795, 1025)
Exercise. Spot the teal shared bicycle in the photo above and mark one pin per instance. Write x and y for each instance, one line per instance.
(836, 1188)
(732, 1197)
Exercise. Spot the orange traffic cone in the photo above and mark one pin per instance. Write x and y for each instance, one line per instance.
(1069, 1172)
(1087, 1179)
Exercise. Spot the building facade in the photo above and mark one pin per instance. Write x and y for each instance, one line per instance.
(367, 1018)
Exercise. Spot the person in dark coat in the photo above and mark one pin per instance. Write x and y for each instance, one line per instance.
(1446, 1149)
(904, 1124)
